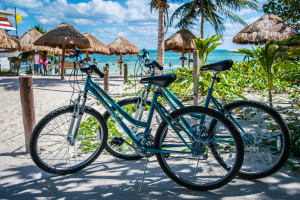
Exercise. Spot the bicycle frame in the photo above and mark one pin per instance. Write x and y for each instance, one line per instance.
(170, 98)
(112, 107)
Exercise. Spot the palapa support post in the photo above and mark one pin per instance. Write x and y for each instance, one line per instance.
(87, 56)
(59, 68)
(196, 76)
(106, 78)
(182, 59)
(63, 62)
(125, 72)
(27, 103)
(121, 64)
(189, 61)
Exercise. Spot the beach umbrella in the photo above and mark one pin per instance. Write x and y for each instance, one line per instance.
(65, 37)
(9, 43)
(96, 46)
(182, 41)
(1, 37)
(267, 28)
(121, 46)
(26, 41)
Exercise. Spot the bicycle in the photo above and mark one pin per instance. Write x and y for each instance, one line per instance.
(265, 136)
(178, 147)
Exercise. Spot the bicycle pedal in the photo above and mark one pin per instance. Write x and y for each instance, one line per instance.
(117, 141)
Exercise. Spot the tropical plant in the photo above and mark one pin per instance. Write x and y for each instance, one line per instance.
(24, 56)
(206, 46)
(212, 12)
(39, 28)
(271, 58)
(288, 10)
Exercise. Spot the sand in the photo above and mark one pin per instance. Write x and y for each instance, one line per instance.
(107, 177)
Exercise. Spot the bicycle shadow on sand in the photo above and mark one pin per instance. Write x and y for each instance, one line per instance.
(112, 178)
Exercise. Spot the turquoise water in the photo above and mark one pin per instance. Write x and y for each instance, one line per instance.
(170, 56)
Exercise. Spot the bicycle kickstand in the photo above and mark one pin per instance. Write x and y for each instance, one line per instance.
(145, 167)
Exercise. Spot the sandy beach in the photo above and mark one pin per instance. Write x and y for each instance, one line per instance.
(107, 177)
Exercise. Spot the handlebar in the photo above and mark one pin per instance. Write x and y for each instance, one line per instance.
(148, 63)
(86, 69)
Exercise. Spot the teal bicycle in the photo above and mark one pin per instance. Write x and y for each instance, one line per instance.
(72, 137)
(265, 135)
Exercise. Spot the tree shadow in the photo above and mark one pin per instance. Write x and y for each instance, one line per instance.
(112, 178)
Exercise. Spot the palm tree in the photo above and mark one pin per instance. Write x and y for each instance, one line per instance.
(40, 29)
(271, 58)
(212, 12)
(161, 6)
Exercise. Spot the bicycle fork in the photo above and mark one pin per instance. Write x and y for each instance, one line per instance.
(76, 118)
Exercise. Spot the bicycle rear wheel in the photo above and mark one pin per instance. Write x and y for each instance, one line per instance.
(196, 168)
(51, 150)
(265, 135)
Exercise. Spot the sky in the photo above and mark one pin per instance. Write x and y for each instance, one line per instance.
(110, 19)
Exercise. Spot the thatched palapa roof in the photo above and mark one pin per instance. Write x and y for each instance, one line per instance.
(267, 28)
(63, 34)
(96, 45)
(9, 42)
(122, 46)
(26, 41)
(181, 41)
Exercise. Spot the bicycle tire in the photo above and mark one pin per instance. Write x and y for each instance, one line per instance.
(90, 141)
(189, 174)
(117, 152)
(253, 167)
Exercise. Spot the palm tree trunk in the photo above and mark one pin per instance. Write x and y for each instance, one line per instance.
(161, 38)
(202, 26)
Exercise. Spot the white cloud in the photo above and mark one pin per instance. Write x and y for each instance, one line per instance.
(49, 21)
(84, 22)
(23, 3)
(244, 11)
(19, 11)
(251, 20)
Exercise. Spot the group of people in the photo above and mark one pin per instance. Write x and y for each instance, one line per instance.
(42, 65)
(40, 62)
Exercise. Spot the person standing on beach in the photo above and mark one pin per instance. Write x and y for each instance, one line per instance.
(95, 62)
(36, 61)
(45, 63)
(170, 64)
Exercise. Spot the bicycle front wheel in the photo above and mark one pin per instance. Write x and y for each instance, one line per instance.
(52, 151)
(195, 166)
(265, 135)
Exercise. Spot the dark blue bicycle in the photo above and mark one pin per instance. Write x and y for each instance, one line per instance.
(70, 138)
(265, 135)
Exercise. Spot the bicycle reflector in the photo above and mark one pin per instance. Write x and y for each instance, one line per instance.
(218, 79)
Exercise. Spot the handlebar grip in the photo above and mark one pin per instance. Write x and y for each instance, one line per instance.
(97, 71)
(158, 65)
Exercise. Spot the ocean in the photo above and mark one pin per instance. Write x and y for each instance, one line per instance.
(215, 56)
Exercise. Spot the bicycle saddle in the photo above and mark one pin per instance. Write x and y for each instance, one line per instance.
(161, 81)
(219, 66)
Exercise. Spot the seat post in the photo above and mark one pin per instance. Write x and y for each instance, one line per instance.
(214, 77)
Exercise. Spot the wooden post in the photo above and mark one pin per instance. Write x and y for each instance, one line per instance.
(196, 76)
(125, 72)
(58, 65)
(87, 56)
(182, 60)
(63, 62)
(121, 64)
(106, 78)
(27, 103)
(189, 62)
